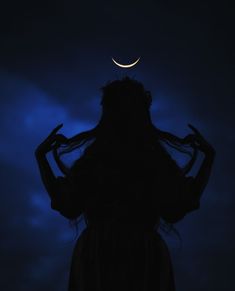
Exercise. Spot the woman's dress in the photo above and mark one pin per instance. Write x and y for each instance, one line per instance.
(123, 199)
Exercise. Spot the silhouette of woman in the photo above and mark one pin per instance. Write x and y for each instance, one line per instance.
(124, 183)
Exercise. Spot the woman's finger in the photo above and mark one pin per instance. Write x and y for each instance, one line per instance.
(201, 139)
(53, 132)
(197, 132)
(53, 140)
(56, 129)
(194, 129)
(59, 138)
(189, 138)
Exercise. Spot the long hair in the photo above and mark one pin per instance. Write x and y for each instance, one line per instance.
(126, 109)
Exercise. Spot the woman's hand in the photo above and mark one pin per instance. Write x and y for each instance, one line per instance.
(198, 141)
(52, 141)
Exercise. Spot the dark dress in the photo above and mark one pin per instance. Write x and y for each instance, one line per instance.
(123, 198)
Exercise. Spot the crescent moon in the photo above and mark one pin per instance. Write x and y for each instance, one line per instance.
(126, 66)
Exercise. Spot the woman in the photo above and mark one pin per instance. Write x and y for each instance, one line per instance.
(124, 183)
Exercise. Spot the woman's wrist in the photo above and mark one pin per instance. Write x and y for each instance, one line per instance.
(40, 155)
(210, 155)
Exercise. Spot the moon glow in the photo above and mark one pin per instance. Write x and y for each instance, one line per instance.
(126, 66)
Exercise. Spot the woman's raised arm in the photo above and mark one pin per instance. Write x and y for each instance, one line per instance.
(59, 189)
(62, 191)
(188, 190)
(201, 179)
(48, 178)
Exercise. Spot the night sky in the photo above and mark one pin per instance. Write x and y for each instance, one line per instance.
(54, 58)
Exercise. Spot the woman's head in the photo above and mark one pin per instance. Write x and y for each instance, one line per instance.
(125, 118)
(125, 104)
(125, 93)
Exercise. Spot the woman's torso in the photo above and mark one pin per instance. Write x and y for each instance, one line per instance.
(123, 184)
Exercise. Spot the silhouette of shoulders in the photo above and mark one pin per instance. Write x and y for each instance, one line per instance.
(136, 182)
